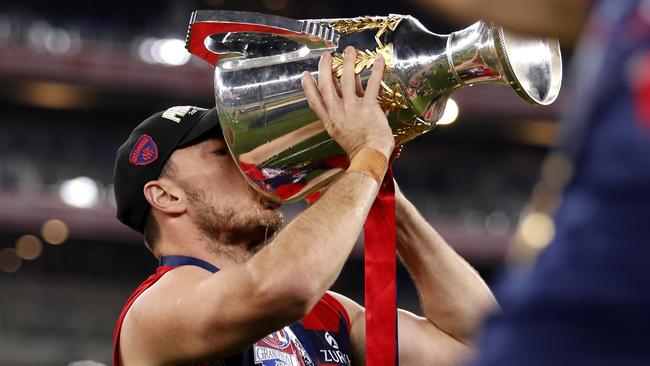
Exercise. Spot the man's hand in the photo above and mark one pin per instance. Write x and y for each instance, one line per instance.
(353, 121)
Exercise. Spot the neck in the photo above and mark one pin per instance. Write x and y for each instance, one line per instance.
(194, 243)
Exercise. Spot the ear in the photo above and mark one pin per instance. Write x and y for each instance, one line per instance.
(165, 196)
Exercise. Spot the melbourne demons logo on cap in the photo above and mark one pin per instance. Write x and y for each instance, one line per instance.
(144, 152)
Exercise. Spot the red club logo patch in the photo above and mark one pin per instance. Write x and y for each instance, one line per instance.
(279, 339)
(144, 152)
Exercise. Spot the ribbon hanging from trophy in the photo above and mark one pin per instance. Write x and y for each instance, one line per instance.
(380, 285)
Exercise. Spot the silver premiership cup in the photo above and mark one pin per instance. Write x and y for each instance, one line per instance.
(279, 143)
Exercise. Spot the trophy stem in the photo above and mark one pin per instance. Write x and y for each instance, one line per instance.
(473, 55)
(486, 53)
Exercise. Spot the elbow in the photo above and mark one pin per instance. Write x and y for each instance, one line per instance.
(288, 297)
(288, 300)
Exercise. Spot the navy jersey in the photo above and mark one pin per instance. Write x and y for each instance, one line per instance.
(320, 339)
(587, 299)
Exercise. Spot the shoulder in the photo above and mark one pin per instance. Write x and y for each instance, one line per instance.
(151, 312)
(172, 284)
(349, 307)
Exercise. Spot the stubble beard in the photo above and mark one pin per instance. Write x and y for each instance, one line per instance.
(236, 235)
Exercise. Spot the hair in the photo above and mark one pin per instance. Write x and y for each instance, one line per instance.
(151, 230)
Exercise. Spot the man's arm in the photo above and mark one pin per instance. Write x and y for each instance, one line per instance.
(557, 18)
(453, 297)
(190, 315)
(420, 341)
(452, 294)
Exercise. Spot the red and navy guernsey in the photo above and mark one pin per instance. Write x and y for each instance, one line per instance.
(320, 339)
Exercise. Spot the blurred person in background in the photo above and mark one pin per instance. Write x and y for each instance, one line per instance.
(586, 299)
(224, 296)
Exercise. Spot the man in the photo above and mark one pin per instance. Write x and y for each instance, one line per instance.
(234, 289)
(586, 300)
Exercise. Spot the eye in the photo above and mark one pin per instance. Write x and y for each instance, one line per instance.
(220, 151)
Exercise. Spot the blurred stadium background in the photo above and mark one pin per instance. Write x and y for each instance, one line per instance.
(77, 76)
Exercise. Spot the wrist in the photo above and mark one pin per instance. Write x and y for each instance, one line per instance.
(385, 147)
(371, 162)
(406, 214)
(401, 203)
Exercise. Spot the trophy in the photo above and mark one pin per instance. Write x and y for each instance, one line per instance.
(277, 140)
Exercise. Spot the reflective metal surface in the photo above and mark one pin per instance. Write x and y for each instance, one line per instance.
(278, 141)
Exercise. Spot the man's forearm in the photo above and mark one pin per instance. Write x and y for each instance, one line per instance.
(310, 252)
(453, 296)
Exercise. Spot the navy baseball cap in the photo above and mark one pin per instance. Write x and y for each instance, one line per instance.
(143, 155)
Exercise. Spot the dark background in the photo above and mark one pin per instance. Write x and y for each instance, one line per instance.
(73, 85)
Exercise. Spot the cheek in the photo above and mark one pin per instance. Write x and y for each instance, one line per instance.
(236, 188)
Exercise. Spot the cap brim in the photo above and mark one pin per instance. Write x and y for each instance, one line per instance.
(208, 123)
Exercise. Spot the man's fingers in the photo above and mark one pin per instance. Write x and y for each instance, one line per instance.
(314, 97)
(337, 86)
(325, 82)
(347, 79)
(374, 83)
(358, 86)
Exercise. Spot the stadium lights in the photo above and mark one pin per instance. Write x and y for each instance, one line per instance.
(57, 41)
(10, 261)
(81, 192)
(55, 231)
(498, 223)
(173, 52)
(451, 113)
(29, 247)
(167, 51)
(537, 229)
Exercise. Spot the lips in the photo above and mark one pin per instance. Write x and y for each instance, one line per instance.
(269, 203)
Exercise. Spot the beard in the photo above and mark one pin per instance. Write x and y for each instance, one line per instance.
(232, 232)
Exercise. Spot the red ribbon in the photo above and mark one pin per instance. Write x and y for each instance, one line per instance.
(380, 287)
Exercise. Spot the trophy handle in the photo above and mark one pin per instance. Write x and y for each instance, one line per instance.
(232, 34)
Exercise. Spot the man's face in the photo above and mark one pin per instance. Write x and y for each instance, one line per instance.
(220, 200)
